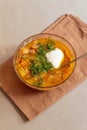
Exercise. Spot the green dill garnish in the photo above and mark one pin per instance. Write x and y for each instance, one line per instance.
(40, 63)
(38, 82)
(50, 45)
(41, 49)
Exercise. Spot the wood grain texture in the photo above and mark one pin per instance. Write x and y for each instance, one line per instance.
(32, 102)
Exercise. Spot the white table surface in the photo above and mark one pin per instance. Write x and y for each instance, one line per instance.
(18, 20)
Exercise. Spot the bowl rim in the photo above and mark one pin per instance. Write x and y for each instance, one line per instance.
(25, 42)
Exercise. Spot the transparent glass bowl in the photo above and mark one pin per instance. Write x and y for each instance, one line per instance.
(36, 37)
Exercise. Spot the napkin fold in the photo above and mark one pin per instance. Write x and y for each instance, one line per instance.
(32, 102)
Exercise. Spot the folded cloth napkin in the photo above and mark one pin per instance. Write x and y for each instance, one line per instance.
(32, 102)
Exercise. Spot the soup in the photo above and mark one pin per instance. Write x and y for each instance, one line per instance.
(35, 68)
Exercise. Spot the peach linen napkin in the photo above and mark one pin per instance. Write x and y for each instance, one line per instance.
(32, 102)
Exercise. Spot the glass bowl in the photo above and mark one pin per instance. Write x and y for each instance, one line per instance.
(48, 36)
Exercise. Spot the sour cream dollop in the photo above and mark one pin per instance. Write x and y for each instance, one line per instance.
(55, 57)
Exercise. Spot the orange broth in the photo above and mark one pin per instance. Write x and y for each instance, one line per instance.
(50, 78)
